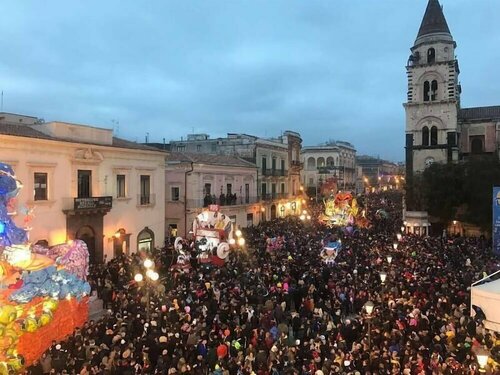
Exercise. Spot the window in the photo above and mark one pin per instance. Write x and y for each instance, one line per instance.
(229, 189)
(181, 148)
(40, 187)
(175, 193)
(434, 136)
(84, 183)
(273, 190)
(145, 197)
(434, 89)
(476, 145)
(207, 189)
(264, 164)
(274, 164)
(311, 163)
(264, 190)
(425, 136)
(431, 56)
(198, 148)
(282, 165)
(427, 89)
(247, 193)
(282, 188)
(120, 186)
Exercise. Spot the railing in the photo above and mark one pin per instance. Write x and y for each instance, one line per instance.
(146, 200)
(89, 203)
(275, 172)
(212, 200)
(270, 197)
(296, 163)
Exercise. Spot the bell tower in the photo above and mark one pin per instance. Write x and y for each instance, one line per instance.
(433, 94)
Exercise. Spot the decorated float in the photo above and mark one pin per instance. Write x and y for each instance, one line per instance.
(331, 248)
(43, 291)
(213, 233)
(342, 210)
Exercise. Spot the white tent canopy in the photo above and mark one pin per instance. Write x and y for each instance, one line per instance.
(487, 297)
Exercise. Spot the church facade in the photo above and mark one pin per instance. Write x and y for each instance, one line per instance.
(438, 129)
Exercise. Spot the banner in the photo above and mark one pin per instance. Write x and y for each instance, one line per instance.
(496, 220)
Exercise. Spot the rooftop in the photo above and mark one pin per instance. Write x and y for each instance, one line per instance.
(211, 159)
(434, 21)
(480, 113)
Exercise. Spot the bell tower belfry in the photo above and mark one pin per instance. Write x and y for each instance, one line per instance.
(433, 94)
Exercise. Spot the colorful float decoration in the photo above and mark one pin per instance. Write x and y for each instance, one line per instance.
(342, 210)
(331, 248)
(213, 234)
(43, 291)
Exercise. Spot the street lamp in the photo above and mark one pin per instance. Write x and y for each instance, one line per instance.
(149, 277)
(395, 245)
(482, 359)
(389, 259)
(369, 306)
(383, 276)
(399, 236)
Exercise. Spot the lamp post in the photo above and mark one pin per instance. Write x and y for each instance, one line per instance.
(368, 307)
(482, 359)
(150, 276)
(383, 276)
(389, 259)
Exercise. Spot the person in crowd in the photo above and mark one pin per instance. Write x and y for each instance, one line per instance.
(282, 310)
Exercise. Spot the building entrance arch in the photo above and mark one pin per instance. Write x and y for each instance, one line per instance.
(87, 234)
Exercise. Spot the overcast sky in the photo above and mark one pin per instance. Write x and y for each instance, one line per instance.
(332, 69)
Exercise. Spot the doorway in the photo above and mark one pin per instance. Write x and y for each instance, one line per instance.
(87, 235)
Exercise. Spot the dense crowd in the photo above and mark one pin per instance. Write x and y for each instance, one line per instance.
(284, 311)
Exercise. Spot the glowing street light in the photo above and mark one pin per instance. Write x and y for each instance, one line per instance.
(148, 263)
(389, 259)
(238, 233)
(482, 359)
(241, 241)
(395, 245)
(383, 276)
(399, 236)
(138, 277)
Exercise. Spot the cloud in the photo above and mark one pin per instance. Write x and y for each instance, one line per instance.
(327, 69)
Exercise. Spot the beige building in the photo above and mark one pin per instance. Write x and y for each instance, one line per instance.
(196, 181)
(83, 182)
(277, 161)
(333, 160)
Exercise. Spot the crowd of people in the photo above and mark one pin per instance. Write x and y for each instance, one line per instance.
(284, 311)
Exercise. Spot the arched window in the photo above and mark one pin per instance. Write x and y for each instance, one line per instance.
(476, 146)
(311, 163)
(431, 55)
(321, 162)
(425, 136)
(427, 89)
(434, 136)
(434, 90)
(145, 240)
(329, 161)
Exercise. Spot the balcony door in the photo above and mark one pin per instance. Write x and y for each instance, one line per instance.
(84, 183)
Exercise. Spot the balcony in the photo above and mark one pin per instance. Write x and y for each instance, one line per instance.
(297, 164)
(270, 197)
(213, 200)
(146, 200)
(88, 204)
(275, 172)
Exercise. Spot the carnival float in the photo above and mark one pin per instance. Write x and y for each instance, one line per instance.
(342, 210)
(214, 235)
(43, 291)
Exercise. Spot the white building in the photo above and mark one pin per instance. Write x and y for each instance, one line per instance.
(332, 160)
(84, 183)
